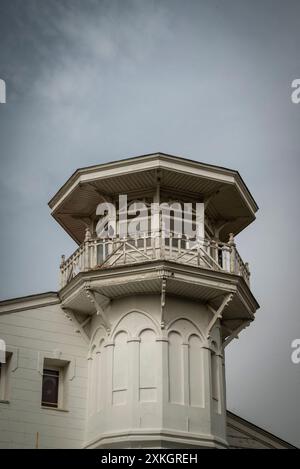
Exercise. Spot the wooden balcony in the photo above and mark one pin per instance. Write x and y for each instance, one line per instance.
(106, 253)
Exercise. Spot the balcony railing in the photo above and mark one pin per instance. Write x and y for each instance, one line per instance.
(102, 253)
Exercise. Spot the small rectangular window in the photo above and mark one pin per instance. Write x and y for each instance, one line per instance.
(50, 389)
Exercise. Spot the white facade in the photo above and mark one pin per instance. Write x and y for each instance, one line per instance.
(34, 329)
(138, 329)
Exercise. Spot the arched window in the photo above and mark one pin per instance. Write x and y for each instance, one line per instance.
(175, 360)
(148, 366)
(196, 372)
(120, 369)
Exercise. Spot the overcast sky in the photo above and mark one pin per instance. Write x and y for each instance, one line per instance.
(92, 81)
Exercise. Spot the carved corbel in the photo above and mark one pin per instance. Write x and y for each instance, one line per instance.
(163, 275)
(163, 301)
(99, 308)
(79, 326)
(217, 314)
(234, 334)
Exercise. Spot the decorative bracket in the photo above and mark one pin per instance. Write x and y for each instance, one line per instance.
(85, 218)
(217, 314)
(163, 274)
(99, 308)
(105, 197)
(220, 227)
(79, 326)
(163, 301)
(212, 195)
(234, 334)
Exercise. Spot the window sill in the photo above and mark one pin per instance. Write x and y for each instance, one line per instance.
(4, 401)
(58, 409)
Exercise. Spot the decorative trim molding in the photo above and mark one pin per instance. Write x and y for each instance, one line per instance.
(57, 355)
(217, 314)
(79, 327)
(25, 303)
(100, 310)
(143, 436)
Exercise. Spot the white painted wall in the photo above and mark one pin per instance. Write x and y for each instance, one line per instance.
(145, 382)
(32, 334)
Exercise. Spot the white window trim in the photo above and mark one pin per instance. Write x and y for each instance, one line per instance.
(60, 357)
(66, 365)
(5, 376)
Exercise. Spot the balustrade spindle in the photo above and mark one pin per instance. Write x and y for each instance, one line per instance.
(179, 244)
(94, 253)
(153, 245)
(187, 242)
(247, 274)
(124, 251)
(170, 235)
(214, 250)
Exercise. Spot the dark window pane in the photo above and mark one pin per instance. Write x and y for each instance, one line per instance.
(50, 388)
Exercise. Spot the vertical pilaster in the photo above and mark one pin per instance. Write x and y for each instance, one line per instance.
(90, 383)
(109, 347)
(207, 383)
(186, 378)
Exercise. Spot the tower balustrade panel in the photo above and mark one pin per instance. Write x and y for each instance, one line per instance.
(103, 253)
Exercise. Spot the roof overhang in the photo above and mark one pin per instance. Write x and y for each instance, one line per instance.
(229, 198)
(183, 281)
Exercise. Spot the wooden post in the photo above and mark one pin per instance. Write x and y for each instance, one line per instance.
(86, 258)
(62, 271)
(231, 244)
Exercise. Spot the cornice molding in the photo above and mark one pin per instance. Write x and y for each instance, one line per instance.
(40, 300)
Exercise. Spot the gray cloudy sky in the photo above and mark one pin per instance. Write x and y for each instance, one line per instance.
(90, 81)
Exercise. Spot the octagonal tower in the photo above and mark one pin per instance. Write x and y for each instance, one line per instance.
(157, 305)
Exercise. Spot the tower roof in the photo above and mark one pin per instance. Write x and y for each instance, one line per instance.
(228, 199)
